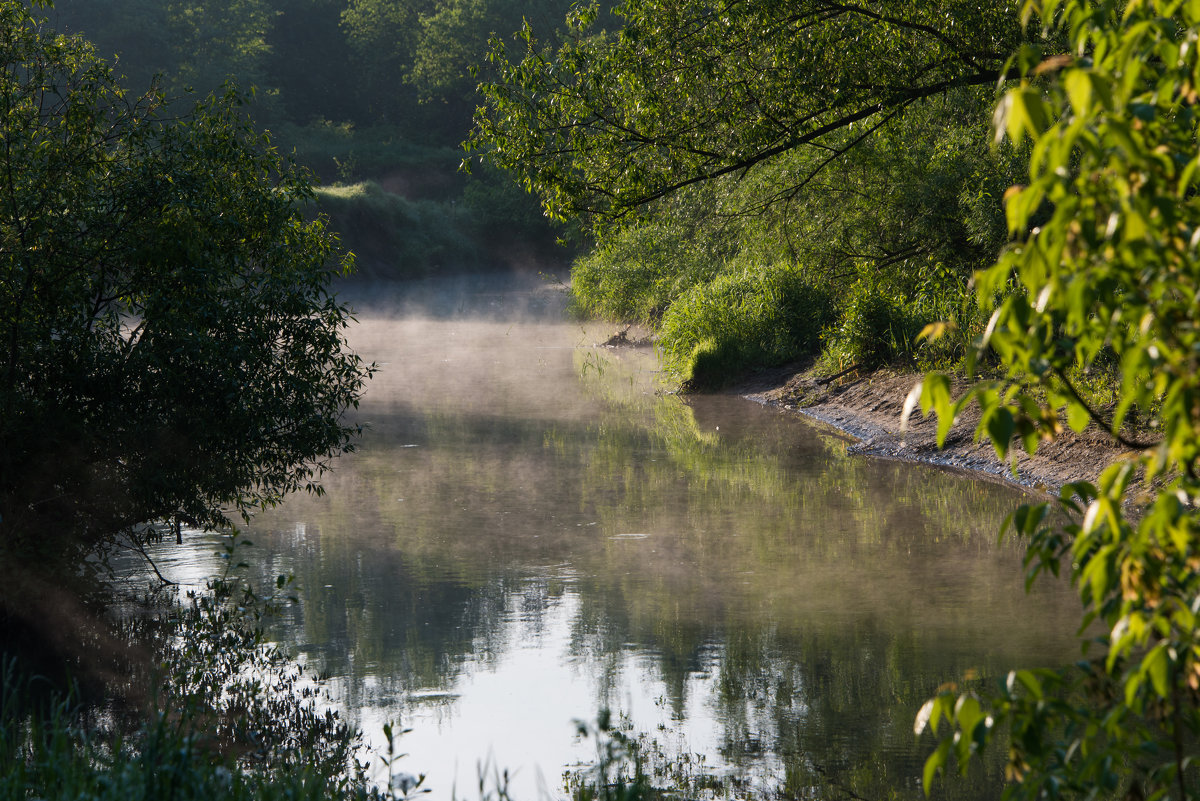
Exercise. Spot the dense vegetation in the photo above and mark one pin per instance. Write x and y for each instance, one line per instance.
(1107, 276)
(171, 349)
(712, 147)
(376, 94)
(850, 143)
(171, 353)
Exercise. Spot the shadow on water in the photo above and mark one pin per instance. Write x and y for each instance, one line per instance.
(533, 529)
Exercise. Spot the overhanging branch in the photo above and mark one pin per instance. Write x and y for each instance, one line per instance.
(895, 103)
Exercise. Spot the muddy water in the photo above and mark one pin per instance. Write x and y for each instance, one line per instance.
(534, 529)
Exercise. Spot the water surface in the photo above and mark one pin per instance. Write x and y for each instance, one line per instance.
(535, 528)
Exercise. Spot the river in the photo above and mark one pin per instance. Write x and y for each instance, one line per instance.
(535, 528)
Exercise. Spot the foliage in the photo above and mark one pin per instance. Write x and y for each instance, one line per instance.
(894, 233)
(170, 345)
(217, 40)
(922, 190)
(504, 212)
(741, 320)
(399, 237)
(636, 273)
(881, 317)
(685, 92)
(434, 49)
(309, 66)
(356, 90)
(874, 327)
(907, 193)
(232, 717)
(1108, 272)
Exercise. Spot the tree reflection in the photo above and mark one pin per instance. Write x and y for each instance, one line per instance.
(821, 596)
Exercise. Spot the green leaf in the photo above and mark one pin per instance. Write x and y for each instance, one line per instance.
(1000, 429)
(1031, 683)
(935, 394)
(935, 764)
(1077, 417)
(968, 713)
(1155, 665)
(923, 715)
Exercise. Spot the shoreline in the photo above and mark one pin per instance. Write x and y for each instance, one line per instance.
(866, 408)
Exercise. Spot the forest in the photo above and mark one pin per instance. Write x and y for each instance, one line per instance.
(375, 98)
(999, 196)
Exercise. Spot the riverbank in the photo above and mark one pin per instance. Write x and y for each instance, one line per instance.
(867, 408)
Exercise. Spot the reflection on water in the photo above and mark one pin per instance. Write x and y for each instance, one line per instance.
(532, 530)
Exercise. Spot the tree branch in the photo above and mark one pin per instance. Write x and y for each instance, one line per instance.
(897, 103)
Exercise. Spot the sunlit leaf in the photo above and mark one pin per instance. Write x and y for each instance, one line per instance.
(1077, 417)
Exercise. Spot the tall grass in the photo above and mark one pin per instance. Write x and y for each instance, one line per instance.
(757, 316)
(881, 322)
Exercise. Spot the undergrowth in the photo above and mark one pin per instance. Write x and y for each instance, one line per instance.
(754, 317)
(398, 238)
(229, 716)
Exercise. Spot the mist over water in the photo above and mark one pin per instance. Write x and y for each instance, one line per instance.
(535, 528)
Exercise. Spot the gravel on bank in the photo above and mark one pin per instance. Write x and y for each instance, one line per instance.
(867, 407)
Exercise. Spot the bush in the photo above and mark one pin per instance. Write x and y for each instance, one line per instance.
(875, 328)
(639, 272)
(394, 237)
(743, 320)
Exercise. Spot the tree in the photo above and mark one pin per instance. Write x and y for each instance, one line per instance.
(1108, 280)
(169, 345)
(383, 36)
(135, 33)
(219, 40)
(310, 62)
(689, 91)
(193, 45)
(419, 58)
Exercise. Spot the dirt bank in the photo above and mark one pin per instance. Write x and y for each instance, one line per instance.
(867, 407)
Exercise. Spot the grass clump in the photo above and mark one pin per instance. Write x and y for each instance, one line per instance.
(875, 327)
(927, 322)
(394, 237)
(640, 271)
(743, 320)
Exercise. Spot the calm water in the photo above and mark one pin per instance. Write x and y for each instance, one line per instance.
(533, 529)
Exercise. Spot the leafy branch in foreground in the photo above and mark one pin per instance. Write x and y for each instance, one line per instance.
(1111, 276)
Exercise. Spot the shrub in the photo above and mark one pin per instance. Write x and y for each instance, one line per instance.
(875, 327)
(742, 320)
(639, 272)
(394, 237)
